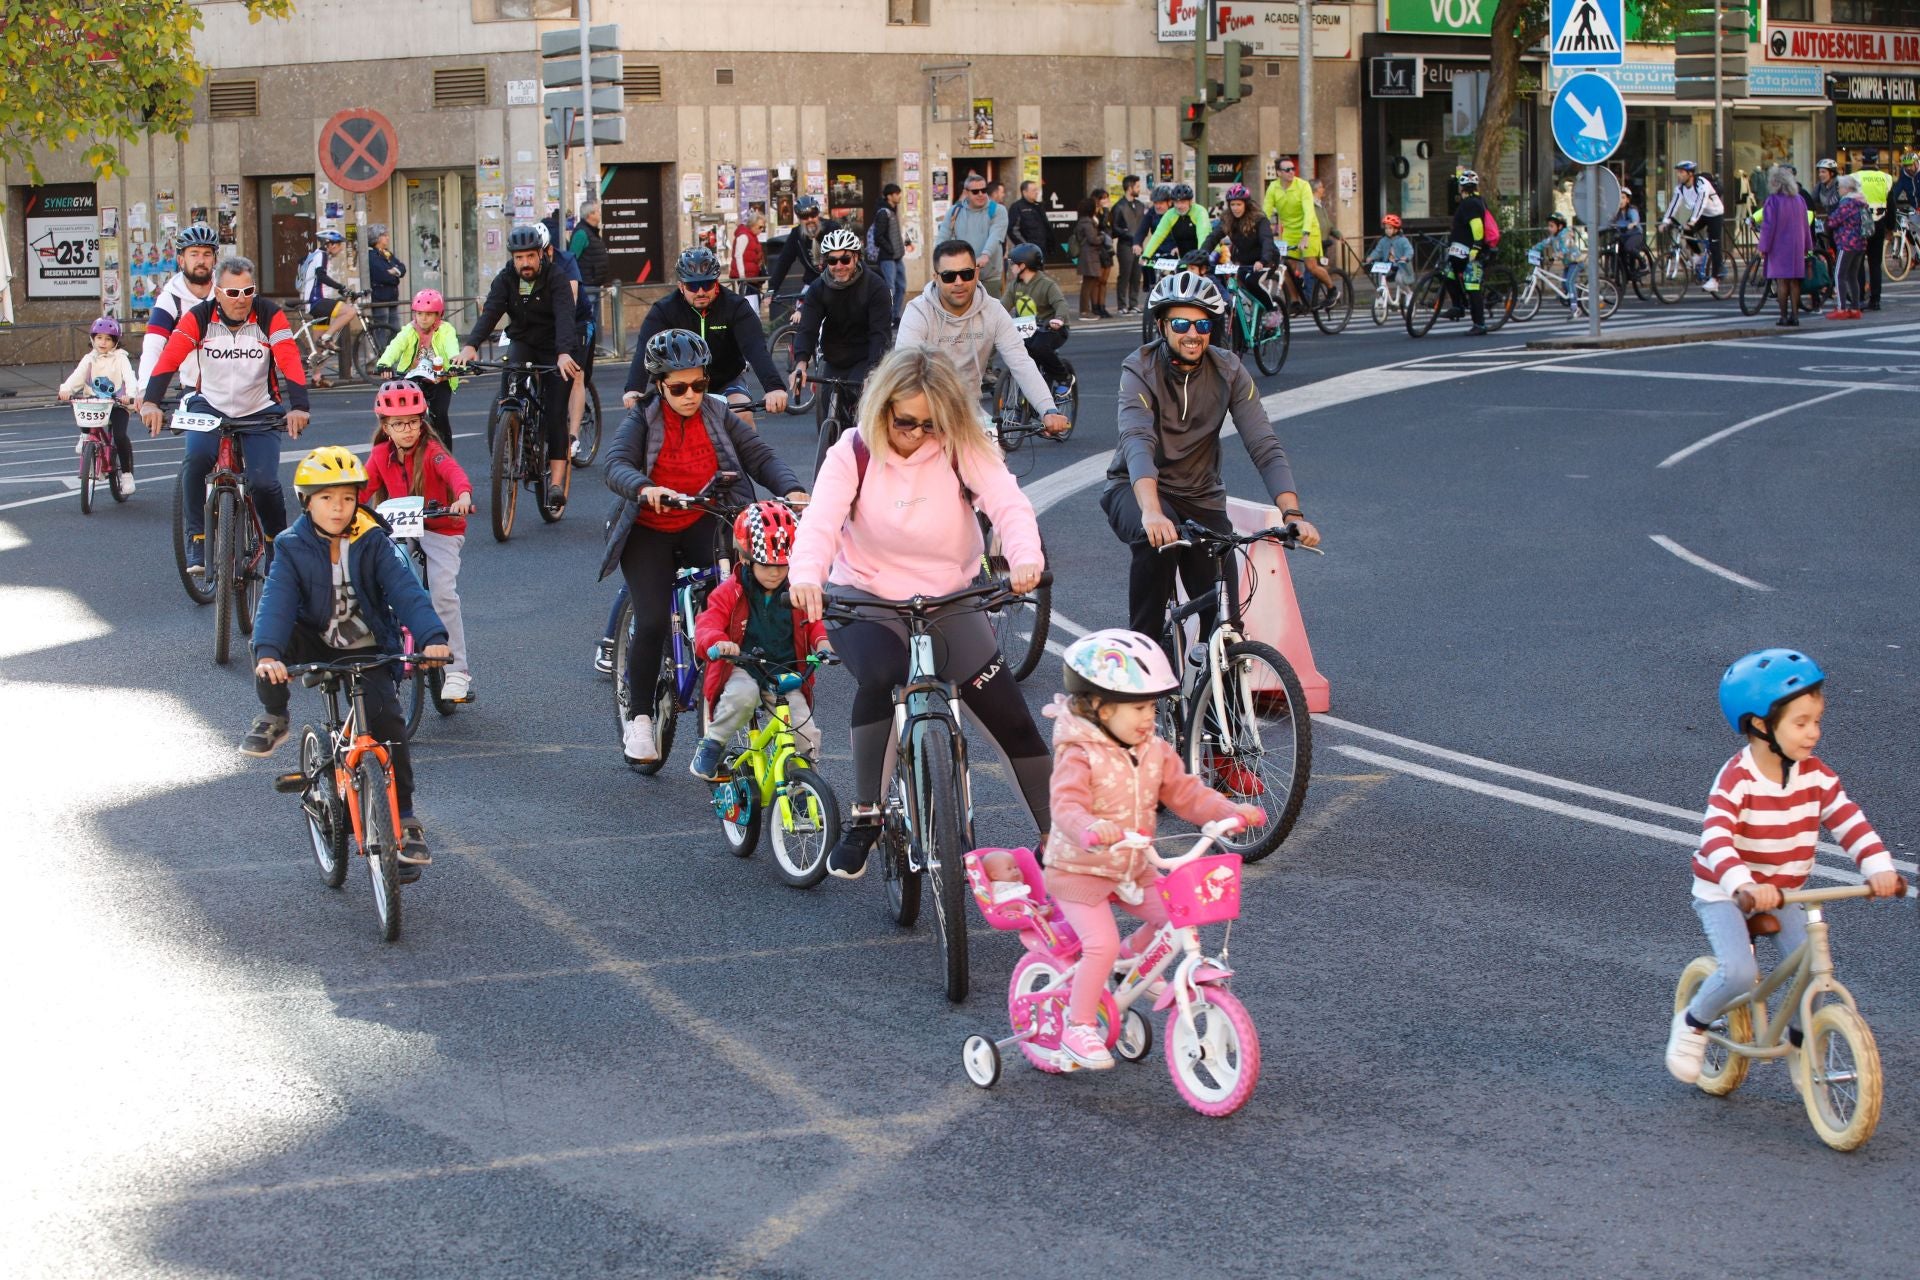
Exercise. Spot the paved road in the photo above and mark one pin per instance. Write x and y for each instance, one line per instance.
(604, 1047)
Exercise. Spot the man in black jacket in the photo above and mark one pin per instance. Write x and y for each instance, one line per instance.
(890, 247)
(802, 247)
(536, 298)
(728, 323)
(847, 314)
(1027, 218)
(1124, 223)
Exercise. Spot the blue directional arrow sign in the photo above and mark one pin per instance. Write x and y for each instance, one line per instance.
(1589, 118)
(1586, 33)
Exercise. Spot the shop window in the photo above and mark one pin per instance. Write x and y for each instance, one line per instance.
(521, 10)
(1790, 10)
(1876, 13)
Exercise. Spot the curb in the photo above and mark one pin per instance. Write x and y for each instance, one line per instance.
(1649, 339)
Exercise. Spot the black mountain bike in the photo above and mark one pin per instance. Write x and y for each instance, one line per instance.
(519, 447)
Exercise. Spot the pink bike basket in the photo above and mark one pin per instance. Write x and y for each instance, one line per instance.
(1205, 891)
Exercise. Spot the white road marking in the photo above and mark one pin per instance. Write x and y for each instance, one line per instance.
(1841, 334)
(1701, 562)
(1769, 415)
(1743, 379)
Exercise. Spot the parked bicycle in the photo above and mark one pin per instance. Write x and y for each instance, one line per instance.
(927, 812)
(519, 446)
(1903, 245)
(1542, 281)
(345, 784)
(406, 520)
(236, 542)
(1212, 1047)
(1240, 718)
(763, 773)
(99, 461)
(1836, 1067)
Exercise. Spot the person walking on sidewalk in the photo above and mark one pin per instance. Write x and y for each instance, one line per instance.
(890, 247)
(1091, 247)
(1123, 227)
(1851, 224)
(1027, 219)
(1785, 242)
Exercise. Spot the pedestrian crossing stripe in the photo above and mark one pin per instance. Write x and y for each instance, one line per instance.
(1587, 31)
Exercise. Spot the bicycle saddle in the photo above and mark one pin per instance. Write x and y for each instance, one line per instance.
(1763, 925)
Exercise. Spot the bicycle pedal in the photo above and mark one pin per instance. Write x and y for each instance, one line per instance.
(290, 784)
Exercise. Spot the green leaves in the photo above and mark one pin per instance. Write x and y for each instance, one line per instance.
(112, 71)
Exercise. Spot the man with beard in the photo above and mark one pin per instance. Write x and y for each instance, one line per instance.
(190, 286)
(536, 298)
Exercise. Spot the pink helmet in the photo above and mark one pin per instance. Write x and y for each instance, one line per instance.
(430, 300)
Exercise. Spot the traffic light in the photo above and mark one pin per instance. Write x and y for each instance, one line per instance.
(1238, 54)
(1193, 120)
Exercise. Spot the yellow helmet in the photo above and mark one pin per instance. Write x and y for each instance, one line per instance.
(328, 467)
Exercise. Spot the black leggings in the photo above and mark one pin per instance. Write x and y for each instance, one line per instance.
(439, 401)
(384, 720)
(122, 442)
(965, 653)
(648, 562)
(1150, 581)
(1463, 288)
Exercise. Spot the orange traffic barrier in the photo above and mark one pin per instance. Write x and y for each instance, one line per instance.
(1269, 607)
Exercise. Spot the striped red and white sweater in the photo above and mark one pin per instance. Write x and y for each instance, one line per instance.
(1757, 831)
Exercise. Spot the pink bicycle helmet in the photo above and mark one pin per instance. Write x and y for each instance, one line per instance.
(1238, 191)
(430, 300)
(1119, 666)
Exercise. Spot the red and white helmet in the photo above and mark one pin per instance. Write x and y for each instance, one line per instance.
(1119, 666)
(399, 399)
(429, 300)
(764, 533)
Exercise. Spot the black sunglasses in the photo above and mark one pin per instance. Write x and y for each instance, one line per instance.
(1180, 324)
(842, 259)
(926, 427)
(965, 273)
(976, 191)
(698, 386)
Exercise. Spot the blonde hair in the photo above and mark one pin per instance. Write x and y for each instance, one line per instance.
(915, 370)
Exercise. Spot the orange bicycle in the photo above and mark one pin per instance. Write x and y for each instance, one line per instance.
(345, 784)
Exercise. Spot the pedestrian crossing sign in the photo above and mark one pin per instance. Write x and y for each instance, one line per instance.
(1586, 33)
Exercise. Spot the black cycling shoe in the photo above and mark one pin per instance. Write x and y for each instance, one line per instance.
(556, 498)
(848, 861)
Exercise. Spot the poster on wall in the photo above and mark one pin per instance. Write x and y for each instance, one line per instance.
(1029, 156)
(1166, 166)
(1143, 165)
(780, 202)
(63, 242)
(909, 167)
(817, 178)
(980, 132)
(692, 192)
(755, 188)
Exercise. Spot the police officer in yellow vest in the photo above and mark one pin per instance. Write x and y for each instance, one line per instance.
(1875, 183)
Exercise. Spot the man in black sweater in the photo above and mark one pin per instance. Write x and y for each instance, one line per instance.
(1027, 218)
(847, 314)
(730, 326)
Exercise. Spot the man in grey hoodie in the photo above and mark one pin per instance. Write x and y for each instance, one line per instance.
(982, 224)
(957, 316)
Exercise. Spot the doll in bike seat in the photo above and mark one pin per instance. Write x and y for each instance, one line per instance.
(1111, 773)
(751, 611)
(1763, 822)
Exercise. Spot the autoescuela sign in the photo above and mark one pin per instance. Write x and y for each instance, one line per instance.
(63, 242)
(1796, 42)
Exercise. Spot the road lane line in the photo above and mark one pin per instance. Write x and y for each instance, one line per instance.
(1724, 432)
(1662, 541)
(1840, 334)
(1743, 379)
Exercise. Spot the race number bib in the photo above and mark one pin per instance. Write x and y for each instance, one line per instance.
(185, 421)
(1026, 326)
(403, 516)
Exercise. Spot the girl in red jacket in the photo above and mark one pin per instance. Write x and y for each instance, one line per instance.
(751, 611)
(408, 463)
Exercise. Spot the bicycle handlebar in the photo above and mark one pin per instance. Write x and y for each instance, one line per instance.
(1833, 894)
(501, 366)
(986, 594)
(787, 678)
(1287, 536)
(1209, 834)
(313, 674)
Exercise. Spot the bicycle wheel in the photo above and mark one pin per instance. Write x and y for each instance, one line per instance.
(415, 694)
(327, 826)
(1020, 626)
(493, 425)
(221, 528)
(381, 843)
(1381, 307)
(199, 590)
(781, 345)
(1496, 297)
(89, 473)
(806, 823)
(1638, 271)
(1723, 1070)
(938, 835)
(114, 472)
(1843, 1077)
(1527, 306)
(506, 480)
(1215, 1058)
(365, 354)
(1899, 259)
(1071, 405)
(1609, 299)
(249, 569)
(1424, 307)
(741, 826)
(901, 880)
(666, 700)
(1268, 742)
(1756, 291)
(1270, 346)
(587, 447)
(1670, 276)
(1333, 306)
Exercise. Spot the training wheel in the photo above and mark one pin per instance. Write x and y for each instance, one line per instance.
(1136, 1036)
(981, 1058)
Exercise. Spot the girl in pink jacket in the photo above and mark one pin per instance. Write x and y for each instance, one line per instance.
(1111, 773)
(892, 517)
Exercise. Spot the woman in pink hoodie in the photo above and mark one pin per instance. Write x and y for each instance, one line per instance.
(892, 517)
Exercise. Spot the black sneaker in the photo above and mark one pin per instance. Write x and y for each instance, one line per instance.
(848, 860)
(265, 737)
(556, 499)
(413, 852)
(1477, 331)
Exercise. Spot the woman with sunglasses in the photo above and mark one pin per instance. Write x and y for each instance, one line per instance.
(892, 518)
(729, 325)
(672, 446)
(1176, 394)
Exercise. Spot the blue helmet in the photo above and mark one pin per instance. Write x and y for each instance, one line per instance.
(1756, 684)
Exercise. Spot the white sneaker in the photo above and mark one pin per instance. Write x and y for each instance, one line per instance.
(1686, 1049)
(1713, 284)
(637, 741)
(79, 445)
(126, 485)
(457, 687)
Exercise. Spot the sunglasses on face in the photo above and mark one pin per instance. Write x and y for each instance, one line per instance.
(1286, 168)
(697, 387)
(965, 273)
(699, 286)
(247, 292)
(841, 259)
(976, 191)
(809, 217)
(1181, 324)
(915, 425)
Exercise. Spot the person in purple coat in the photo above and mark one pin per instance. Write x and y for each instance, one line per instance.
(1785, 241)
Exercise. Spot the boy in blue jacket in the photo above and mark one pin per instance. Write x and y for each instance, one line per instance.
(340, 587)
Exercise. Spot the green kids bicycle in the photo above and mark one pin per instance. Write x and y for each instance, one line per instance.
(763, 773)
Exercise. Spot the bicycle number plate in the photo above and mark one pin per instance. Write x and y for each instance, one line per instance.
(403, 514)
(88, 414)
(1224, 269)
(1458, 251)
(1533, 256)
(1283, 247)
(1381, 268)
(1166, 264)
(1026, 326)
(185, 421)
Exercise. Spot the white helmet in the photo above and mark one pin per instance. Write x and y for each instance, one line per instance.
(839, 240)
(1120, 666)
(1185, 289)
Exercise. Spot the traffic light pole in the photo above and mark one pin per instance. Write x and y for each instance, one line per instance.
(590, 176)
(1305, 52)
(1202, 28)
(1719, 101)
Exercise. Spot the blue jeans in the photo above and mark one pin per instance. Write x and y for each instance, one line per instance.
(895, 276)
(260, 454)
(1739, 972)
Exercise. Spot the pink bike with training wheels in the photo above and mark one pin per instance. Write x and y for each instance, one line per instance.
(1213, 1051)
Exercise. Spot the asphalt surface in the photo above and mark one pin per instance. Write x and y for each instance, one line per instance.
(602, 1046)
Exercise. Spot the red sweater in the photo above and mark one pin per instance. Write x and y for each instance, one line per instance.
(442, 480)
(725, 618)
(1757, 830)
(685, 465)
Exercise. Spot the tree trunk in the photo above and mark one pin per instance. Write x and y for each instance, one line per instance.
(1517, 27)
